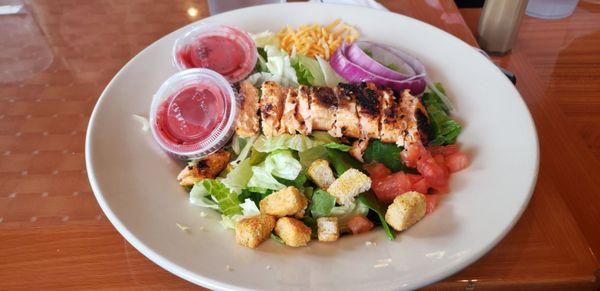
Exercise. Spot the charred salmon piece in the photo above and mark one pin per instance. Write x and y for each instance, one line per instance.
(346, 122)
(247, 122)
(303, 110)
(391, 123)
(271, 108)
(410, 126)
(289, 121)
(323, 108)
(207, 167)
(368, 107)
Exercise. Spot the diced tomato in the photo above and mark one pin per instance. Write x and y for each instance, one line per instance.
(377, 171)
(411, 154)
(414, 178)
(457, 161)
(421, 186)
(359, 224)
(443, 150)
(391, 186)
(439, 158)
(435, 174)
(430, 203)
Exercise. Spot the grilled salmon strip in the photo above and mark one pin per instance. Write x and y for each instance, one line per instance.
(368, 107)
(347, 122)
(271, 108)
(247, 122)
(391, 123)
(323, 108)
(303, 110)
(410, 126)
(289, 121)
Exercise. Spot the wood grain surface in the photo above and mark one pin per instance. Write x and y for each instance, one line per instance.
(60, 54)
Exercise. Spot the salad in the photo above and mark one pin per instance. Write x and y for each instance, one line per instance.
(330, 135)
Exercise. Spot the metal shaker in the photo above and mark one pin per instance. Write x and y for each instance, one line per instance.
(499, 24)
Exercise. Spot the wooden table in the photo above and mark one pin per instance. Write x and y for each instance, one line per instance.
(61, 54)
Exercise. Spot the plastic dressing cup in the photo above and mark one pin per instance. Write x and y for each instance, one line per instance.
(192, 113)
(224, 49)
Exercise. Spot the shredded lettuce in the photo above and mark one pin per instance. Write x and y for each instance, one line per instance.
(280, 164)
(344, 213)
(310, 155)
(332, 79)
(200, 197)
(279, 69)
(244, 151)
(143, 121)
(265, 38)
(229, 221)
(321, 203)
(445, 130)
(295, 142)
(227, 200)
(263, 179)
(249, 208)
(308, 71)
(283, 165)
(238, 178)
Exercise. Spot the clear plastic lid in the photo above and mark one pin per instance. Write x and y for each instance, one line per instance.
(227, 50)
(192, 113)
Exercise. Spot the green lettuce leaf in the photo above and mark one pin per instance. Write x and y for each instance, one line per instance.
(263, 179)
(332, 79)
(345, 212)
(308, 71)
(445, 130)
(280, 164)
(385, 153)
(227, 200)
(369, 200)
(200, 197)
(238, 178)
(249, 208)
(338, 146)
(310, 155)
(321, 203)
(295, 142)
(342, 161)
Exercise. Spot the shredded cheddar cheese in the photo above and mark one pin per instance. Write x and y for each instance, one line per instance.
(315, 40)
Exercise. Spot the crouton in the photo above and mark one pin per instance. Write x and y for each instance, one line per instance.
(292, 231)
(252, 231)
(349, 185)
(207, 167)
(285, 202)
(328, 228)
(406, 210)
(320, 173)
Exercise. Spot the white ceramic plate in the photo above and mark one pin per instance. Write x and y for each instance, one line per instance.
(134, 181)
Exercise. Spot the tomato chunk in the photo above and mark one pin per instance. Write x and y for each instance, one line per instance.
(456, 161)
(377, 170)
(391, 186)
(359, 224)
(434, 173)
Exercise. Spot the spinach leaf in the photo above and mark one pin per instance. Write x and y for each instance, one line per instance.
(445, 130)
(385, 153)
(276, 238)
(342, 161)
(368, 199)
(338, 146)
(321, 203)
